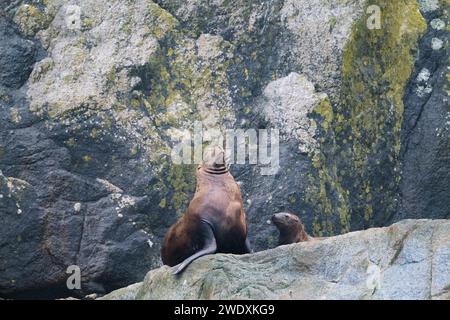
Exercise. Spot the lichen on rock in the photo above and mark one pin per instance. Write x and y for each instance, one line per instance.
(287, 104)
(34, 17)
(368, 115)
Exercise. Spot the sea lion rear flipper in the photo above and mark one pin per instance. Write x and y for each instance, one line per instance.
(210, 246)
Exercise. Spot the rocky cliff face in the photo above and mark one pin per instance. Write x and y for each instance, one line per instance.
(408, 260)
(92, 94)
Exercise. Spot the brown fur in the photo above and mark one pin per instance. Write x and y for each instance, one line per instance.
(217, 206)
(291, 228)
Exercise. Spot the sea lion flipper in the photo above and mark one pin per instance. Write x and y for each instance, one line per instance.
(210, 246)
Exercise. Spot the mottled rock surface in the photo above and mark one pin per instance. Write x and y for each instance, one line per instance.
(408, 260)
(425, 150)
(93, 95)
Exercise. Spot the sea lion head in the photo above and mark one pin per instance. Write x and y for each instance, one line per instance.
(214, 161)
(285, 220)
(291, 228)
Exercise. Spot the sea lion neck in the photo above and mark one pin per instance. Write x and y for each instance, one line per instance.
(289, 233)
(292, 233)
(211, 171)
(215, 169)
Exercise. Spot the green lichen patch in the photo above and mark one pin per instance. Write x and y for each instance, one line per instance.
(160, 21)
(325, 111)
(175, 186)
(33, 17)
(362, 155)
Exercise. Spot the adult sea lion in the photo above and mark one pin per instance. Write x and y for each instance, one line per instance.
(291, 228)
(214, 221)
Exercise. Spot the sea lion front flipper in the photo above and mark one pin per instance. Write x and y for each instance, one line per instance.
(210, 246)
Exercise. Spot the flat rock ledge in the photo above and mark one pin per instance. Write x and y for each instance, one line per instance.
(408, 260)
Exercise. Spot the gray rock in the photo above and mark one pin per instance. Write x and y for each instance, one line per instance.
(408, 260)
(425, 152)
(92, 93)
(17, 55)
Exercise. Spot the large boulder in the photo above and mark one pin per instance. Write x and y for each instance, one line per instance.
(408, 260)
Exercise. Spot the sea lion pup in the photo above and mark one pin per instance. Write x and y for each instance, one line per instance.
(214, 221)
(291, 228)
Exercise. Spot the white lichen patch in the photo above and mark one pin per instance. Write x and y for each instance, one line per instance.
(73, 17)
(317, 37)
(429, 5)
(422, 91)
(126, 201)
(150, 243)
(424, 75)
(77, 207)
(423, 88)
(437, 44)
(82, 64)
(123, 201)
(287, 103)
(437, 24)
(16, 185)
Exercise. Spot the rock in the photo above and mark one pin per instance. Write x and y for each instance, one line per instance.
(425, 181)
(95, 94)
(17, 55)
(31, 18)
(128, 293)
(288, 102)
(91, 296)
(408, 260)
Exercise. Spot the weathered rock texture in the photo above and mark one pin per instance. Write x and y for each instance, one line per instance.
(408, 260)
(92, 94)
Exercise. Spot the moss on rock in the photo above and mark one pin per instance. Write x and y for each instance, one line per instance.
(31, 18)
(361, 154)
